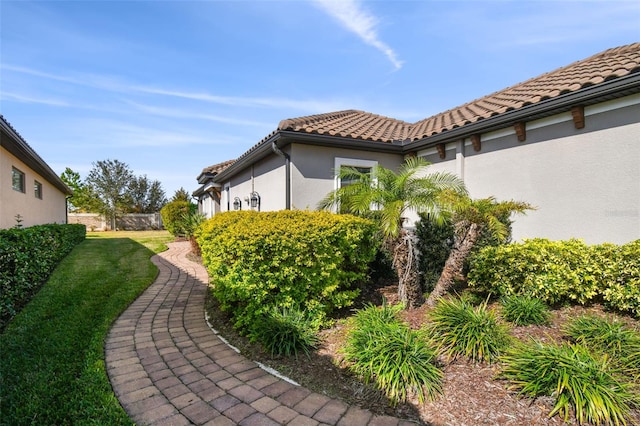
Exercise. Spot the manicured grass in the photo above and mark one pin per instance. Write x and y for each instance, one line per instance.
(52, 354)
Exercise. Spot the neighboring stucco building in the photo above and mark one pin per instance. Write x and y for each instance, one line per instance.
(28, 186)
(567, 142)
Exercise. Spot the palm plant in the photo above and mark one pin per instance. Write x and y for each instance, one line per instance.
(471, 218)
(387, 196)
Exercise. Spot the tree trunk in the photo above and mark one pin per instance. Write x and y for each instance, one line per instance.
(455, 263)
(405, 262)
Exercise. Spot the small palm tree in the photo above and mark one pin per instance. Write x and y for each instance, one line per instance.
(471, 218)
(387, 196)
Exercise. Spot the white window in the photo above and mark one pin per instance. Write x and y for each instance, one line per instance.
(363, 166)
(17, 180)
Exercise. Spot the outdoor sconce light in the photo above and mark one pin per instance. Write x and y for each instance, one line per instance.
(255, 200)
(237, 204)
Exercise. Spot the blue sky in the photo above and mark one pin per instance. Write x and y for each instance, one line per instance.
(170, 87)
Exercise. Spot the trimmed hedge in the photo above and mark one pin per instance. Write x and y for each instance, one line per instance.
(313, 261)
(175, 216)
(27, 258)
(562, 271)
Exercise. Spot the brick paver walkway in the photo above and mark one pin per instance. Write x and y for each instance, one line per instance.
(167, 367)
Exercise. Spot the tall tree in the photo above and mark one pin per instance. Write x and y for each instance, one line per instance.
(145, 196)
(84, 198)
(110, 180)
(181, 195)
(471, 218)
(387, 196)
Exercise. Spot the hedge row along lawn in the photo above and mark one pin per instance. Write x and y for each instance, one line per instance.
(52, 354)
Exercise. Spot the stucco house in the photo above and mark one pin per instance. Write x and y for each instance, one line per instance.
(28, 186)
(567, 142)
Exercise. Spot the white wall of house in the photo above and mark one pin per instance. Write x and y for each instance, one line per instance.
(266, 177)
(207, 205)
(313, 171)
(585, 182)
(34, 211)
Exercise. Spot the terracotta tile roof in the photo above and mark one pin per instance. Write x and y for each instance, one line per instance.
(604, 66)
(350, 124)
(360, 125)
(217, 168)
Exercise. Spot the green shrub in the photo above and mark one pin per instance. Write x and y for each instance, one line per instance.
(315, 261)
(561, 272)
(622, 290)
(383, 349)
(612, 337)
(579, 382)
(458, 328)
(286, 331)
(27, 258)
(435, 242)
(524, 310)
(176, 216)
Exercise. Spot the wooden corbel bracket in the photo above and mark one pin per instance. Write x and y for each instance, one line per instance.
(577, 112)
(475, 140)
(521, 131)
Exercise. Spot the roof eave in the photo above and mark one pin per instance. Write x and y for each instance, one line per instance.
(17, 146)
(619, 87)
(260, 151)
(286, 137)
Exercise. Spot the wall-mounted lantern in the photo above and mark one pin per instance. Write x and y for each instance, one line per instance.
(255, 200)
(237, 204)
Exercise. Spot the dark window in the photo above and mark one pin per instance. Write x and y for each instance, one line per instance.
(17, 180)
(351, 180)
(37, 189)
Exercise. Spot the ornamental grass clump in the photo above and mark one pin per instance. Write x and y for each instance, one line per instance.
(286, 331)
(459, 329)
(580, 382)
(524, 310)
(609, 336)
(384, 350)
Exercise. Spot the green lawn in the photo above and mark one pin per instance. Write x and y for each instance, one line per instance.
(52, 368)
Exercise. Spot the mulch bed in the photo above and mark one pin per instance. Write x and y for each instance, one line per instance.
(472, 395)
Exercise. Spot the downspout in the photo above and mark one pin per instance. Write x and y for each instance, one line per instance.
(287, 165)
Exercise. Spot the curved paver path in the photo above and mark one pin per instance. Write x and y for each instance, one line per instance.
(167, 367)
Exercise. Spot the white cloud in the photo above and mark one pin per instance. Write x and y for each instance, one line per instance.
(112, 84)
(182, 113)
(32, 99)
(284, 103)
(359, 21)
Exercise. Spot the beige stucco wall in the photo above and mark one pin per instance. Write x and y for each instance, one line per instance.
(50, 209)
(585, 182)
(266, 177)
(312, 171)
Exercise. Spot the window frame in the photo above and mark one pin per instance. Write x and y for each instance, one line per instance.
(359, 163)
(15, 172)
(37, 189)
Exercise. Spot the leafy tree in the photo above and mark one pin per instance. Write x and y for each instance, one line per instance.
(84, 198)
(181, 195)
(145, 196)
(392, 195)
(110, 180)
(471, 218)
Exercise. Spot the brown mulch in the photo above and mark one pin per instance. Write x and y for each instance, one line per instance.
(472, 394)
